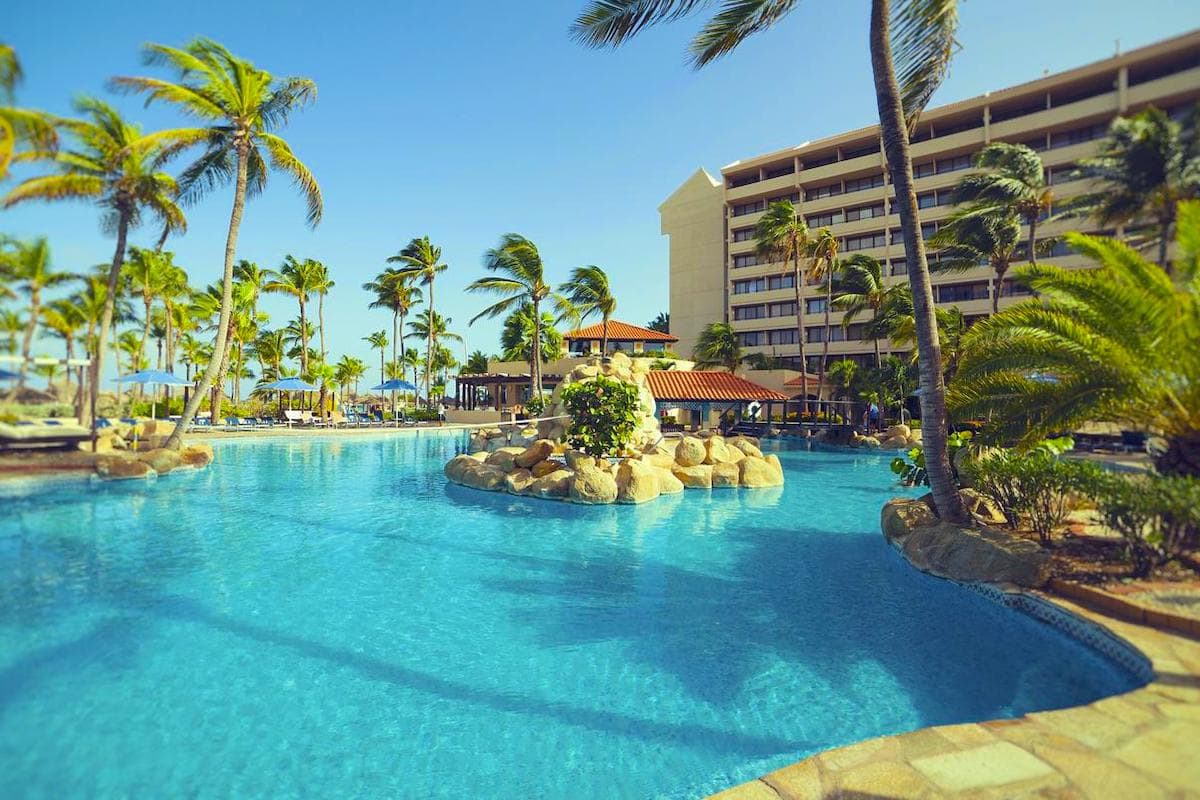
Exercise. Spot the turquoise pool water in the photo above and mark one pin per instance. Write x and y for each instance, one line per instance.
(327, 618)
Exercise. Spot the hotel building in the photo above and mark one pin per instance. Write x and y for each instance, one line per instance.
(841, 182)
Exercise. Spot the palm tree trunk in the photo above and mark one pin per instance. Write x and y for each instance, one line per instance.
(799, 281)
(147, 301)
(604, 337)
(214, 364)
(321, 322)
(1000, 269)
(1033, 240)
(535, 352)
(35, 302)
(933, 392)
(429, 347)
(825, 338)
(875, 340)
(303, 337)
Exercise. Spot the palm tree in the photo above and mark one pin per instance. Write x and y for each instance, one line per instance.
(824, 250)
(243, 105)
(29, 265)
(393, 291)
(437, 331)
(967, 239)
(321, 285)
(379, 339)
(411, 359)
(661, 323)
(588, 292)
(782, 236)
(115, 167)
(1015, 186)
(421, 260)
(842, 374)
(298, 279)
(1115, 344)
(718, 346)
(908, 63)
(520, 280)
(349, 370)
(477, 363)
(147, 272)
(517, 337)
(64, 319)
(1147, 165)
(269, 348)
(861, 288)
(20, 124)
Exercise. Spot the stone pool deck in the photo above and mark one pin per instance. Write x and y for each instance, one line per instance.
(1142, 744)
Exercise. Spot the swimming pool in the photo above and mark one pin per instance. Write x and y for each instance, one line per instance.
(328, 618)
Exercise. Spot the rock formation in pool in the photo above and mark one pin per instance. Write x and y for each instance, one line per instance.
(549, 468)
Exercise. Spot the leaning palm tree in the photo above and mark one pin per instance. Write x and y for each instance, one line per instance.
(379, 340)
(781, 235)
(824, 250)
(393, 291)
(718, 346)
(517, 337)
(968, 239)
(1013, 185)
(114, 167)
(520, 280)
(300, 279)
(1113, 344)
(588, 292)
(422, 260)
(861, 288)
(242, 106)
(910, 42)
(1146, 166)
(28, 264)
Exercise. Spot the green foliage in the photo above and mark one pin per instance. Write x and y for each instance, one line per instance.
(602, 415)
(912, 471)
(1037, 485)
(1157, 515)
(535, 405)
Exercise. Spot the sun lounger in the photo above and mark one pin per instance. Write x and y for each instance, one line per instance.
(46, 434)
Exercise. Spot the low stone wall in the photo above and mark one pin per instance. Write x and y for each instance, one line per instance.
(110, 465)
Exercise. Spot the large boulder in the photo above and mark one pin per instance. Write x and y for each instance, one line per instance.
(897, 432)
(967, 554)
(504, 458)
(197, 454)
(113, 467)
(984, 508)
(725, 476)
(543, 468)
(554, 486)
(747, 446)
(538, 451)
(485, 477)
(659, 460)
(518, 481)
(696, 476)
(161, 460)
(716, 451)
(690, 452)
(773, 462)
(577, 458)
(593, 486)
(636, 482)
(456, 467)
(667, 482)
(757, 473)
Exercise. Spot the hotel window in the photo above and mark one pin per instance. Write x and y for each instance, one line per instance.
(747, 260)
(923, 170)
(962, 292)
(855, 332)
(899, 266)
(779, 172)
(743, 234)
(1149, 72)
(927, 200)
(743, 180)
(958, 127)
(784, 336)
(749, 208)
(1059, 249)
(787, 309)
(823, 191)
(865, 241)
(864, 212)
(928, 229)
(752, 338)
(781, 282)
(1013, 289)
(1012, 112)
(1062, 174)
(750, 286)
(794, 197)
(869, 182)
(861, 151)
(1074, 96)
(953, 164)
(1078, 135)
(825, 220)
(749, 312)
(820, 161)
(814, 306)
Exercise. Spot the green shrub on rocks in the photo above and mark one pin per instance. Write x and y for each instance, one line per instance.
(1158, 516)
(602, 415)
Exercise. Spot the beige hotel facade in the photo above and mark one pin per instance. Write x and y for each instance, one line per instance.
(841, 182)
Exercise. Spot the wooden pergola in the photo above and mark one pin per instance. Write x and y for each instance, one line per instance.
(503, 390)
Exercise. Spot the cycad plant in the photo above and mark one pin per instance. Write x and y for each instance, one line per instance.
(910, 43)
(240, 108)
(588, 291)
(1115, 344)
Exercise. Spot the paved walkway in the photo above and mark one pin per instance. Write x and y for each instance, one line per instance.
(1143, 744)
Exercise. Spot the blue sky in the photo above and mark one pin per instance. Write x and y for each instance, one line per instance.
(468, 119)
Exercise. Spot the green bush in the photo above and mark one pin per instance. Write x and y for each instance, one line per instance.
(535, 405)
(602, 415)
(912, 472)
(1037, 485)
(1158, 516)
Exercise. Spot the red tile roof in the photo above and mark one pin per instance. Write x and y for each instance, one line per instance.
(621, 331)
(813, 380)
(669, 384)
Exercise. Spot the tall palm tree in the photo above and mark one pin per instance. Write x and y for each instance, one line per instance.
(379, 340)
(112, 165)
(269, 348)
(411, 359)
(1146, 166)
(34, 128)
(65, 320)
(147, 273)
(477, 363)
(11, 325)
(517, 337)
(321, 285)
(28, 264)
(299, 279)
(243, 106)
(661, 322)
(349, 369)
(1115, 344)
(861, 288)
(588, 292)
(438, 330)
(911, 42)
(1014, 185)
(393, 291)
(421, 260)
(824, 251)
(173, 289)
(718, 346)
(520, 278)
(781, 235)
(965, 240)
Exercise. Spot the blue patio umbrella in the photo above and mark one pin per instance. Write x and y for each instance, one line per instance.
(5, 375)
(156, 377)
(394, 385)
(288, 385)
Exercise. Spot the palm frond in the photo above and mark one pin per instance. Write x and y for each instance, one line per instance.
(611, 22)
(922, 42)
(283, 159)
